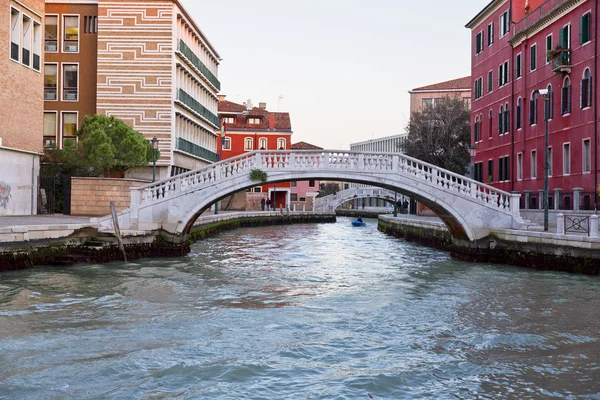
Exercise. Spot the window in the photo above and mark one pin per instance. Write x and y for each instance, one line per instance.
(258, 189)
(427, 103)
(518, 113)
(294, 184)
(69, 127)
(311, 183)
(37, 45)
(587, 156)
(71, 37)
(50, 82)
(478, 171)
(584, 28)
(467, 102)
(70, 82)
(228, 120)
(548, 48)
(490, 32)
(490, 82)
(281, 144)
(533, 57)
(51, 34)
(585, 99)
(254, 121)
(506, 119)
(90, 24)
(248, 144)
(520, 166)
(490, 119)
(566, 96)
(227, 143)
(262, 144)
(490, 171)
(294, 197)
(566, 159)
(504, 23)
(550, 104)
(504, 169)
(479, 43)
(15, 34)
(476, 130)
(503, 120)
(50, 129)
(533, 107)
(503, 74)
(564, 37)
(478, 88)
(549, 161)
(533, 164)
(518, 68)
(26, 41)
(302, 199)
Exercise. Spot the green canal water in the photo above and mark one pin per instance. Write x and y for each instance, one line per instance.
(299, 312)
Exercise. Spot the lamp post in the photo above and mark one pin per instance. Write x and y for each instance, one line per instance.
(544, 94)
(395, 205)
(154, 148)
(472, 153)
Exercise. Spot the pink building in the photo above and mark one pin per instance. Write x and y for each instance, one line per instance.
(304, 192)
(519, 48)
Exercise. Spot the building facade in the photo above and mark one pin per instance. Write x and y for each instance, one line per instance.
(519, 48)
(304, 192)
(425, 96)
(154, 69)
(249, 128)
(21, 104)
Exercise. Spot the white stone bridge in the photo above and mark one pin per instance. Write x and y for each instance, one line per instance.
(469, 208)
(333, 201)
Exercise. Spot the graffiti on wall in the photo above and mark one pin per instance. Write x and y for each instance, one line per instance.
(4, 194)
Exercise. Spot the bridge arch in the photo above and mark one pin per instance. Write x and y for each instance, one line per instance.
(334, 201)
(469, 209)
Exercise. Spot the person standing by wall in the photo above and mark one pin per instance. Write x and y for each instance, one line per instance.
(268, 204)
(262, 204)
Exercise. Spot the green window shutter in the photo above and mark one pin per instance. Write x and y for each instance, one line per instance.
(581, 29)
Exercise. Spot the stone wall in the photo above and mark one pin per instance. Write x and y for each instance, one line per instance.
(92, 196)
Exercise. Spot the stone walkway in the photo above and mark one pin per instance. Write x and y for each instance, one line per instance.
(57, 219)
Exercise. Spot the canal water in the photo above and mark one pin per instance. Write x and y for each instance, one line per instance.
(299, 312)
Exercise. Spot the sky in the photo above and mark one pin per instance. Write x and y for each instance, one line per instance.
(341, 68)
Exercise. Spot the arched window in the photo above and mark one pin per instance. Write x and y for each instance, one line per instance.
(226, 143)
(490, 120)
(586, 89)
(533, 108)
(518, 113)
(262, 144)
(501, 121)
(480, 127)
(476, 130)
(248, 144)
(566, 96)
(506, 119)
(281, 144)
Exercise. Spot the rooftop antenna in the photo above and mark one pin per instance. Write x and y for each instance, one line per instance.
(249, 107)
(279, 101)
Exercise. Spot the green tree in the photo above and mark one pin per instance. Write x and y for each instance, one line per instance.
(441, 135)
(328, 188)
(107, 146)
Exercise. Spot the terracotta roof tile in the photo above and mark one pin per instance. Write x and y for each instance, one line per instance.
(460, 83)
(305, 146)
(280, 120)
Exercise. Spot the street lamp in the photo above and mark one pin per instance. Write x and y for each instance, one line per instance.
(154, 148)
(544, 94)
(472, 153)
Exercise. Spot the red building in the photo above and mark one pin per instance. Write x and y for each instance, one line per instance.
(249, 128)
(520, 47)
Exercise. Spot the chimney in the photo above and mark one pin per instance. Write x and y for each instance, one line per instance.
(262, 106)
(221, 97)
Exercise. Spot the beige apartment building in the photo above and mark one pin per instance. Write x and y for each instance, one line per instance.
(145, 62)
(424, 96)
(21, 104)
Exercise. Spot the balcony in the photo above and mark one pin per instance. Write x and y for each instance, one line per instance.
(198, 108)
(561, 61)
(546, 10)
(193, 58)
(198, 151)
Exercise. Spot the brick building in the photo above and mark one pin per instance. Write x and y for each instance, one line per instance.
(520, 47)
(154, 69)
(249, 128)
(428, 95)
(21, 104)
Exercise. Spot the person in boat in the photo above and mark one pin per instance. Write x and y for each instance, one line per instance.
(359, 219)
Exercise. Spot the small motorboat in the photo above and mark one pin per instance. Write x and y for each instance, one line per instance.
(358, 223)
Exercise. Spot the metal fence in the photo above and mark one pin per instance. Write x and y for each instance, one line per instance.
(577, 224)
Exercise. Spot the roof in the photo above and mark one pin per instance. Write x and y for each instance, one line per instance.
(491, 4)
(463, 83)
(269, 121)
(305, 146)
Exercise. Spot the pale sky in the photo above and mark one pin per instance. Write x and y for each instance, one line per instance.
(343, 67)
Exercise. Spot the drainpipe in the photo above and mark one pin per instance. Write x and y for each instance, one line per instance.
(596, 108)
(32, 185)
(512, 106)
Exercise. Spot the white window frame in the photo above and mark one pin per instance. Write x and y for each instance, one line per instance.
(19, 33)
(565, 173)
(519, 65)
(506, 16)
(587, 154)
(58, 37)
(549, 59)
(519, 166)
(490, 34)
(226, 147)
(533, 164)
(229, 120)
(279, 140)
(253, 121)
(58, 91)
(56, 128)
(266, 141)
(41, 49)
(530, 58)
(63, 39)
(62, 126)
(22, 41)
(62, 86)
(246, 141)
(569, 34)
(481, 41)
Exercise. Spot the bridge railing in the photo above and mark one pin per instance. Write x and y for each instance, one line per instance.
(330, 160)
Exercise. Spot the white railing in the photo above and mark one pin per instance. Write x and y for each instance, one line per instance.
(306, 160)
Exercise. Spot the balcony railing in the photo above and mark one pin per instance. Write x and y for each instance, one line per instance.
(196, 150)
(535, 15)
(195, 105)
(193, 58)
(561, 60)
